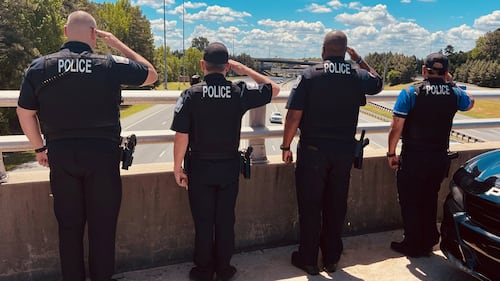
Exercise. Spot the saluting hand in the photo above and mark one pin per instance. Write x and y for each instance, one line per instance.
(352, 54)
(237, 67)
(109, 39)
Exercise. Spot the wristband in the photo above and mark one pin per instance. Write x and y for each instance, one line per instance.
(360, 60)
(389, 155)
(284, 148)
(41, 149)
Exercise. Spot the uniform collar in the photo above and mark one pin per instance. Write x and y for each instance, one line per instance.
(335, 59)
(214, 76)
(77, 47)
(435, 80)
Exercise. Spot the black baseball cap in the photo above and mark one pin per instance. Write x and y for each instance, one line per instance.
(434, 58)
(216, 53)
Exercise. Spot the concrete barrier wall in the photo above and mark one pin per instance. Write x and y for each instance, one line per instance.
(155, 227)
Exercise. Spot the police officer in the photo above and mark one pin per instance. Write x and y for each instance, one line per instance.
(195, 79)
(423, 116)
(207, 121)
(76, 94)
(325, 106)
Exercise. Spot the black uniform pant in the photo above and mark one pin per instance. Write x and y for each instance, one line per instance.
(86, 185)
(419, 179)
(322, 181)
(212, 208)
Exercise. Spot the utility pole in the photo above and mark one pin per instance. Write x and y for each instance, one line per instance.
(165, 43)
(183, 48)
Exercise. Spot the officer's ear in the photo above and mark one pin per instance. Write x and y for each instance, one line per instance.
(227, 68)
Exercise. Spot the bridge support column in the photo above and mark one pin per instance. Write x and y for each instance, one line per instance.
(257, 119)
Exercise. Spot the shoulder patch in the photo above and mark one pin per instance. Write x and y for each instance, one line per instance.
(252, 85)
(297, 81)
(179, 104)
(121, 60)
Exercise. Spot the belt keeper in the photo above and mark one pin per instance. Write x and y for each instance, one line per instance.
(41, 149)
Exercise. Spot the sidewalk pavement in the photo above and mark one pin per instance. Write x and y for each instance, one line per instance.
(365, 258)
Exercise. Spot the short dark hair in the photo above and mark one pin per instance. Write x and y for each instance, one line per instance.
(215, 67)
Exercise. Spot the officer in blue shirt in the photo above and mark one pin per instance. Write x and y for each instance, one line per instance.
(76, 95)
(423, 116)
(207, 121)
(325, 106)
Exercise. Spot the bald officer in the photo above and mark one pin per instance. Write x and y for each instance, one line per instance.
(325, 106)
(207, 122)
(76, 94)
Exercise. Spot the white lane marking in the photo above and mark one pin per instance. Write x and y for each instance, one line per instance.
(146, 117)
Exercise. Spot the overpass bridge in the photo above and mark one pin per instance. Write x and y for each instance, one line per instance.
(155, 227)
(282, 66)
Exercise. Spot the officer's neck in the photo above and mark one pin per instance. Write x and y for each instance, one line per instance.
(334, 58)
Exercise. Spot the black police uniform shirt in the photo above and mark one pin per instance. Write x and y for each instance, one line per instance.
(330, 94)
(77, 93)
(211, 112)
(428, 108)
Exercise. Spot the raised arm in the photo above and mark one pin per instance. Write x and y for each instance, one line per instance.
(242, 69)
(118, 45)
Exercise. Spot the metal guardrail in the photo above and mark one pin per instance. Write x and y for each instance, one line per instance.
(8, 98)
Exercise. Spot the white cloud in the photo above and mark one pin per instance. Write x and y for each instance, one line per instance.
(462, 38)
(370, 29)
(377, 15)
(317, 9)
(355, 5)
(286, 26)
(187, 5)
(153, 3)
(405, 1)
(335, 4)
(488, 22)
(157, 26)
(214, 13)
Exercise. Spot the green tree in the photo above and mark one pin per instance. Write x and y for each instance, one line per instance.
(192, 61)
(199, 43)
(128, 24)
(394, 77)
(246, 60)
(28, 29)
(488, 46)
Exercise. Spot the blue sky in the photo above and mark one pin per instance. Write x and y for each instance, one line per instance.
(295, 28)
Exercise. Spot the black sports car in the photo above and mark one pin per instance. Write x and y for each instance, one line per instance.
(470, 231)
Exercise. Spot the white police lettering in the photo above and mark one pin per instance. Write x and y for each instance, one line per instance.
(335, 67)
(493, 191)
(437, 90)
(217, 92)
(74, 65)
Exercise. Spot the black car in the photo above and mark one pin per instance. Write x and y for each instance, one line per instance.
(470, 231)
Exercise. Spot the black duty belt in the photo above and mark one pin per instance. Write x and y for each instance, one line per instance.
(214, 155)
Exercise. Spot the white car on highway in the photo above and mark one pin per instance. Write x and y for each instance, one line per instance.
(276, 117)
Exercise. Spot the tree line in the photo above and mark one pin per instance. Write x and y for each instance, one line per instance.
(32, 28)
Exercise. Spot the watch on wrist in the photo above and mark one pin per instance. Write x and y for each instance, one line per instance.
(41, 149)
(360, 60)
(284, 148)
(390, 154)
